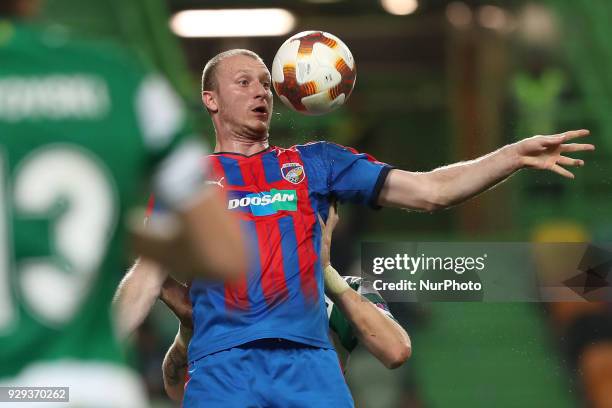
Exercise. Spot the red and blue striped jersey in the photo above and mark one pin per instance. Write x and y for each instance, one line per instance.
(277, 194)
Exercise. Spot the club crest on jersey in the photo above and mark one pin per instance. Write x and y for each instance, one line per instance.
(293, 172)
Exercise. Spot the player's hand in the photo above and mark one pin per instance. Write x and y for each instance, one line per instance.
(546, 152)
(335, 285)
(327, 230)
(176, 296)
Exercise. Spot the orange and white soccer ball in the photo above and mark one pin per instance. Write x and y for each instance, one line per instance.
(313, 72)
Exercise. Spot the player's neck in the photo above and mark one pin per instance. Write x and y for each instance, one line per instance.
(243, 146)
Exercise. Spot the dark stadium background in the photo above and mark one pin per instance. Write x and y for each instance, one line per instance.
(450, 81)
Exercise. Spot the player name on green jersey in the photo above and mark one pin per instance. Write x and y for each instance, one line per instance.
(53, 97)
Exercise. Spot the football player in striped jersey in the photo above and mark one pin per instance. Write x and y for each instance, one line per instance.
(246, 331)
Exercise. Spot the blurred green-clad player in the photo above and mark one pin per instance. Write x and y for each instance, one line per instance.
(83, 129)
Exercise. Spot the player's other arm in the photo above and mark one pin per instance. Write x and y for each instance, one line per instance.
(453, 184)
(174, 367)
(199, 238)
(381, 335)
(220, 245)
(136, 294)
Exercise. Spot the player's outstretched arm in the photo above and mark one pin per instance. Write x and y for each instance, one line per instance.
(453, 184)
(384, 338)
(137, 292)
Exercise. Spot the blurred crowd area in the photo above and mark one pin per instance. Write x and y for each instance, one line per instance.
(448, 81)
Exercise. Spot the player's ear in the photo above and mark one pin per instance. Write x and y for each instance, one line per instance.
(209, 99)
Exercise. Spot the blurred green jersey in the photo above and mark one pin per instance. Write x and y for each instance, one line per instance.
(81, 126)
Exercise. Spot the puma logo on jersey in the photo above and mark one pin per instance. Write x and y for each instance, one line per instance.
(217, 183)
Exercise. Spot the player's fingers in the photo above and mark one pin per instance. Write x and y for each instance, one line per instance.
(332, 218)
(573, 134)
(563, 172)
(568, 161)
(549, 141)
(321, 223)
(577, 147)
(333, 210)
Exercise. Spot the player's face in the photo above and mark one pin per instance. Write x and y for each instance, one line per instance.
(244, 96)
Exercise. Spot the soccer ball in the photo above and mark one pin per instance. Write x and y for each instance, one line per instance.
(313, 72)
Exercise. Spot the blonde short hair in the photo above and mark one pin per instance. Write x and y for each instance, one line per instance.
(209, 77)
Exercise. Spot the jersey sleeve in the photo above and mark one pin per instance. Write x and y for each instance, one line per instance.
(174, 152)
(354, 176)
